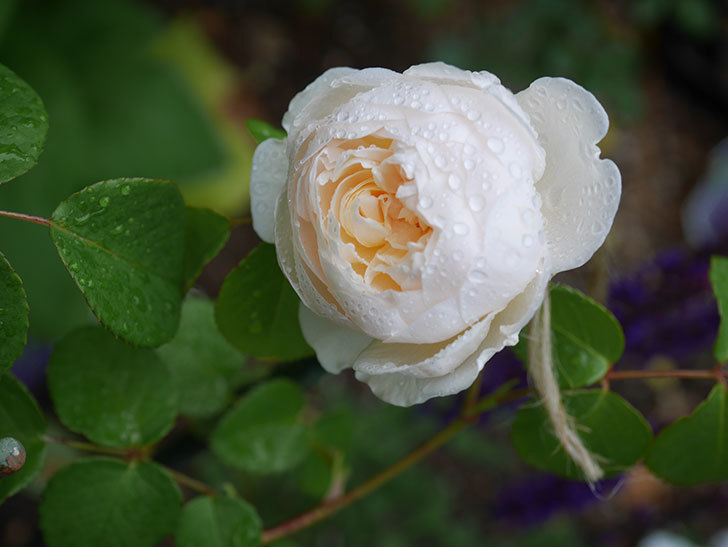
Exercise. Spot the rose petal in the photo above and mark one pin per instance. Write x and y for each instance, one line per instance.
(422, 360)
(312, 90)
(580, 192)
(403, 389)
(267, 179)
(336, 347)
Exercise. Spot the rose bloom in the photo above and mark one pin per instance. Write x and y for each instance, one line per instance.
(419, 216)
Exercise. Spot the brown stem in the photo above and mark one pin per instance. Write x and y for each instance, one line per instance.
(648, 374)
(27, 218)
(88, 447)
(191, 483)
(330, 507)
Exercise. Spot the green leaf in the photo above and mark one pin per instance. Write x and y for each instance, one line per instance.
(13, 316)
(263, 130)
(218, 522)
(23, 125)
(113, 393)
(613, 430)
(206, 233)
(201, 361)
(586, 338)
(719, 280)
(21, 419)
(101, 501)
(257, 310)
(262, 433)
(123, 243)
(695, 448)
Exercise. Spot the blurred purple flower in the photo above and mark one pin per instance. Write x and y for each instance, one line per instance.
(536, 498)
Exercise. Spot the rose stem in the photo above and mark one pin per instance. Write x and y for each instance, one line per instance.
(470, 410)
(27, 218)
(330, 507)
(651, 374)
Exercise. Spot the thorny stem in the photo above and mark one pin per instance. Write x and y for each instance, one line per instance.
(27, 218)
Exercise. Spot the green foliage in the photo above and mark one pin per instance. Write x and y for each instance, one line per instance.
(613, 430)
(263, 432)
(23, 125)
(114, 394)
(586, 338)
(108, 502)
(257, 310)
(21, 419)
(201, 361)
(115, 109)
(262, 131)
(719, 280)
(13, 315)
(206, 233)
(122, 241)
(695, 448)
(218, 522)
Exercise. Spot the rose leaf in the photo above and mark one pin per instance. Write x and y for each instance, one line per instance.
(100, 501)
(13, 316)
(114, 394)
(262, 131)
(263, 433)
(206, 233)
(693, 449)
(614, 431)
(202, 362)
(123, 243)
(23, 125)
(257, 310)
(218, 522)
(719, 281)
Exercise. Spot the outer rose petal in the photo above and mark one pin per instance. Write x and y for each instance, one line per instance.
(404, 389)
(336, 347)
(580, 192)
(299, 102)
(267, 179)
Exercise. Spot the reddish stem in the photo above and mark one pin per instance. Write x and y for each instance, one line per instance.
(27, 218)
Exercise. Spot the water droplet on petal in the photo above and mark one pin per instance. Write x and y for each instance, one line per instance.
(460, 229)
(425, 202)
(496, 145)
(476, 203)
(454, 182)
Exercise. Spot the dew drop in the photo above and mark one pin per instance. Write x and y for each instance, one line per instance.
(476, 203)
(440, 162)
(477, 276)
(528, 217)
(454, 181)
(104, 201)
(515, 170)
(425, 202)
(527, 241)
(460, 229)
(496, 145)
(468, 164)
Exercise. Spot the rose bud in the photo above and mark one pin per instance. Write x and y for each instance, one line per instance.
(419, 216)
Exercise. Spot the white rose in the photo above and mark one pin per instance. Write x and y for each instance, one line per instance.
(420, 216)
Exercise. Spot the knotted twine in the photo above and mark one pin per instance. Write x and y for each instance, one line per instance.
(541, 367)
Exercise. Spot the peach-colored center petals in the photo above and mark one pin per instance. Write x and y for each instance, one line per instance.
(359, 192)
